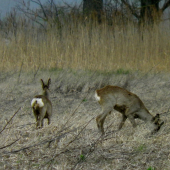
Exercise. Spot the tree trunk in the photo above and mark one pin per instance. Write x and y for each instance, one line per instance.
(149, 12)
(92, 9)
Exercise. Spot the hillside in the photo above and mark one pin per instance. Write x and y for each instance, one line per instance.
(72, 141)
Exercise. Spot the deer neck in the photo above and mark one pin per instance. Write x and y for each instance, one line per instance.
(46, 93)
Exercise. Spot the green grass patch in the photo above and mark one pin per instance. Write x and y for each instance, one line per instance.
(151, 168)
(116, 72)
(82, 157)
(36, 165)
(141, 148)
(84, 100)
(122, 71)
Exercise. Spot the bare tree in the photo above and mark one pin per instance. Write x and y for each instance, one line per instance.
(44, 15)
(146, 11)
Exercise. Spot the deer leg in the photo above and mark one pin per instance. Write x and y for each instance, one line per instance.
(100, 123)
(130, 116)
(42, 122)
(48, 113)
(122, 110)
(49, 120)
(36, 117)
(38, 124)
(122, 121)
(41, 117)
(101, 118)
(132, 120)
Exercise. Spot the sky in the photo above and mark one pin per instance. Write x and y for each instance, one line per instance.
(7, 5)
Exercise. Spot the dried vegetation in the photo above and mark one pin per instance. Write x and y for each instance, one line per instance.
(79, 59)
(72, 141)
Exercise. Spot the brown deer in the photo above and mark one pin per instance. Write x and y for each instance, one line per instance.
(42, 106)
(125, 102)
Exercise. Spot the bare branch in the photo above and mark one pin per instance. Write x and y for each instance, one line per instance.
(9, 144)
(131, 8)
(65, 148)
(166, 5)
(43, 9)
(10, 120)
(32, 15)
(41, 143)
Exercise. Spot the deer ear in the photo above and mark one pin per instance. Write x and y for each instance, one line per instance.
(156, 130)
(161, 123)
(49, 81)
(42, 82)
(157, 115)
(156, 119)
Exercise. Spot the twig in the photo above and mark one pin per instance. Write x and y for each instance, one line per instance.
(9, 144)
(21, 126)
(40, 143)
(9, 120)
(68, 144)
(75, 110)
(91, 150)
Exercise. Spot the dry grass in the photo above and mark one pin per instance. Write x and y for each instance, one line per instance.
(78, 46)
(72, 140)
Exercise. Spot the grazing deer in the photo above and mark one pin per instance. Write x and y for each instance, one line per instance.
(41, 105)
(125, 102)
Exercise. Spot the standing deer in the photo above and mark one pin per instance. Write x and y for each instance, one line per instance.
(125, 102)
(41, 105)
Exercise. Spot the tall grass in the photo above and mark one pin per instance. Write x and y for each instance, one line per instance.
(92, 47)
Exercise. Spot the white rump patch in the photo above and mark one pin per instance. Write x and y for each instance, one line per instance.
(97, 97)
(38, 100)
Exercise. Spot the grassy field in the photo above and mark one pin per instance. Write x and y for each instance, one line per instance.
(72, 140)
(79, 60)
(104, 48)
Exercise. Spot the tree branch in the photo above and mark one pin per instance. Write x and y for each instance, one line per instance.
(9, 144)
(9, 120)
(43, 10)
(166, 5)
(131, 8)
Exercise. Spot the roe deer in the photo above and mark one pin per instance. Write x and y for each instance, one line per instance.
(41, 105)
(125, 102)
